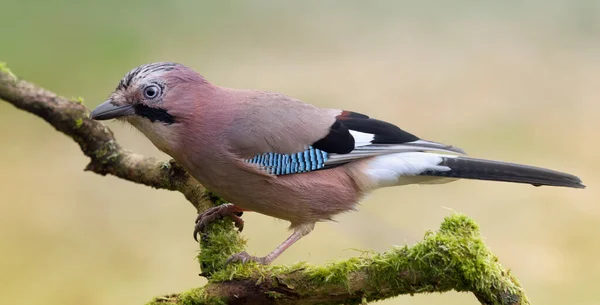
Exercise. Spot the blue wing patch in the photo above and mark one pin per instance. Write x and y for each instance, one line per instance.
(285, 164)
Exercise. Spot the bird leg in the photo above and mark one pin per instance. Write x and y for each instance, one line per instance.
(228, 209)
(299, 232)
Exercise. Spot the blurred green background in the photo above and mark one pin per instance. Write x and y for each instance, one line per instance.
(510, 80)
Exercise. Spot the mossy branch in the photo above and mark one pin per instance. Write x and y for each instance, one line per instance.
(453, 258)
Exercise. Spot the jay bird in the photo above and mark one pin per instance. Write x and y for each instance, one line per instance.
(275, 155)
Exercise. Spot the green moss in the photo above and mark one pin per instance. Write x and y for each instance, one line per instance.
(454, 258)
(164, 299)
(78, 123)
(78, 100)
(220, 241)
(4, 69)
(336, 272)
(197, 296)
(107, 153)
(214, 198)
(274, 295)
(459, 224)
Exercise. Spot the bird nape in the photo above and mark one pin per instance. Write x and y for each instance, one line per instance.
(278, 156)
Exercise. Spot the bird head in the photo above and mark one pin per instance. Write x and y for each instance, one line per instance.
(155, 98)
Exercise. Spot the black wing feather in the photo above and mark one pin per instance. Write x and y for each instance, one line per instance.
(340, 140)
(384, 132)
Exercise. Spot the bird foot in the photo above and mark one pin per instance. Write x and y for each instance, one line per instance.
(244, 257)
(218, 212)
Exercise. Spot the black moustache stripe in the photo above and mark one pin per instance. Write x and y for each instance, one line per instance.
(154, 114)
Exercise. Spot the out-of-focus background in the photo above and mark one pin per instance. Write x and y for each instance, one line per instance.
(510, 80)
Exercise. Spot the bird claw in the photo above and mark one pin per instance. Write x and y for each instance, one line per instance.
(215, 213)
(244, 257)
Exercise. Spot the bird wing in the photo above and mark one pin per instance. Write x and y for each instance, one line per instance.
(284, 136)
(267, 122)
(375, 137)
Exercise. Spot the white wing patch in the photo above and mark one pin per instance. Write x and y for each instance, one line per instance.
(400, 168)
(361, 138)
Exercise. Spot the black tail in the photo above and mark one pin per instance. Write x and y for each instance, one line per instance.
(471, 168)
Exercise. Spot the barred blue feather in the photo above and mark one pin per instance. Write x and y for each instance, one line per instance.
(285, 164)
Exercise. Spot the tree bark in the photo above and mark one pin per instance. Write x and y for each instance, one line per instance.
(453, 258)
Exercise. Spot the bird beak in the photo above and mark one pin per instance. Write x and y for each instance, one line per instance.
(108, 110)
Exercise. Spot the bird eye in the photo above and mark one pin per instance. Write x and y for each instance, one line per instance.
(152, 91)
